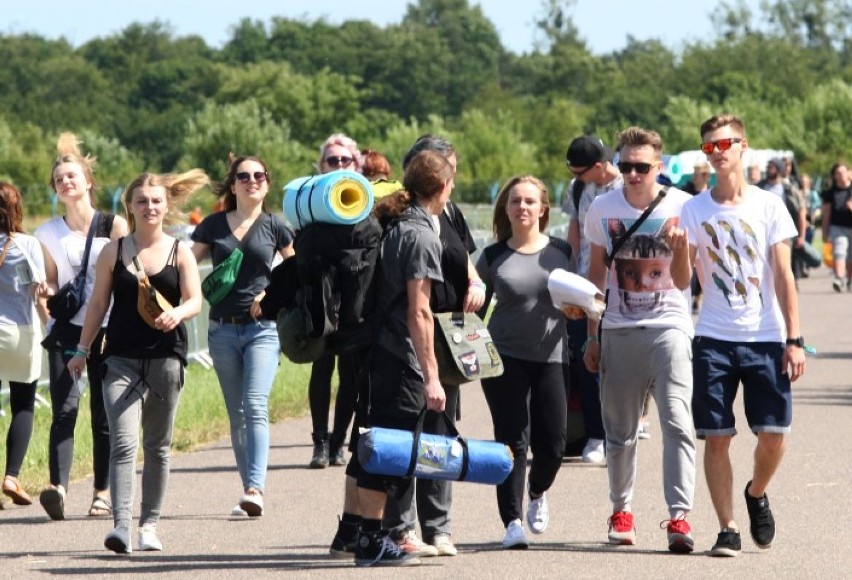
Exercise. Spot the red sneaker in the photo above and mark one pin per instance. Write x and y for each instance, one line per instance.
(680, 535)
(621, 530)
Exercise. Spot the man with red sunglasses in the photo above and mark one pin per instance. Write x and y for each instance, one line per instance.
(748, 329)
(647, 330)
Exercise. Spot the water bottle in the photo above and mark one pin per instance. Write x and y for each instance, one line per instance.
(827, 255)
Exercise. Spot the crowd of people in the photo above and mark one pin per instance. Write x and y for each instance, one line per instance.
(644, 244)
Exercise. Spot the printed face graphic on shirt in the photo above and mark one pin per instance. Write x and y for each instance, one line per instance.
(642, 265)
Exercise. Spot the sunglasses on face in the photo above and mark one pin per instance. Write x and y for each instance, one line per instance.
(722, 145)
(625, 167)
(245, 176)
(580, 172)
(335, 161)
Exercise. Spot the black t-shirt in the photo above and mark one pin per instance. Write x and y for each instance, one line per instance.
(841, 215)
(456, 243)
(259, 249)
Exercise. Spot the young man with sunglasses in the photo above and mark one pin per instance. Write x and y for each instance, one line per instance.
(590, 162)
(647, 330)
(748, 330)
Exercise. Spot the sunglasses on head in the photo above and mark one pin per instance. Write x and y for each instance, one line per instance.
(245, 176)
(626, 167)
(335, 161)
(722, 145)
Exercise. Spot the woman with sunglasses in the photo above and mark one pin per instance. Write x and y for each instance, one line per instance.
(244, 345)
(144, 361)
(64, 237)
(338, 153)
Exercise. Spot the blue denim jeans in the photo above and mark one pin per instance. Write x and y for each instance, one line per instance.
(246, 357)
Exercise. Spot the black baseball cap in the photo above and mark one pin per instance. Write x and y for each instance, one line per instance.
(587, 150)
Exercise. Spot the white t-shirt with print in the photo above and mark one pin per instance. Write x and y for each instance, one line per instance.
(734, 243)
(640, 285)
(590, 192)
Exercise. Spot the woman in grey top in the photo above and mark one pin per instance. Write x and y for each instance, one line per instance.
(531, 337)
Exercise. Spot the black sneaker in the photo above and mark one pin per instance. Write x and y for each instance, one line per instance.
(378, 549)
(762, 522)
(343, 544)
(728, 544)
(336, 456)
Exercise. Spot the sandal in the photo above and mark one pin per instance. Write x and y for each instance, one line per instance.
(13, 489)
(100, 507)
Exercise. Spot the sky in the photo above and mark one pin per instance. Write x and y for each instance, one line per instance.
(603, 24)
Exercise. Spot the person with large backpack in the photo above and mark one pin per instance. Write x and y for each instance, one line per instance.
(338, 152)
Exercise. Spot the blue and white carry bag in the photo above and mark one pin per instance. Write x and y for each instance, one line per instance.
(399, 453)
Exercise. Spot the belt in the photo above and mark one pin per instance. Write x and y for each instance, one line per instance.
(242, 319)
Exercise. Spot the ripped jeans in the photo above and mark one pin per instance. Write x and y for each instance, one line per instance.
(143, 391)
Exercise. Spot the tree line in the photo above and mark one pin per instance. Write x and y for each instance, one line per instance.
(146, 99)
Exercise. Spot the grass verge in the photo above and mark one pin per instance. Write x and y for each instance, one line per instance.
(201, 418)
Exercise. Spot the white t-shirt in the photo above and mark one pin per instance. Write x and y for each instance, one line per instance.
(66, 248)
(590, 192)
(640, 285)
(734, 244)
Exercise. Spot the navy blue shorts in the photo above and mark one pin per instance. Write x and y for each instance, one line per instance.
(718, 368)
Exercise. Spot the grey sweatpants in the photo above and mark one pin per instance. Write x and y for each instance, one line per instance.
(634, 360)
(142, 391)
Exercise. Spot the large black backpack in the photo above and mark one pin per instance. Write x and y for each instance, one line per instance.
(336, 266)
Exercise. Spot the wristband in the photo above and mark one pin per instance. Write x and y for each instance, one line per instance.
(86, 351)
(477, 284)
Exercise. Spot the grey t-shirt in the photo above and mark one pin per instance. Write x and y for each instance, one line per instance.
(259, 250)
(411, 250)
(525, 324)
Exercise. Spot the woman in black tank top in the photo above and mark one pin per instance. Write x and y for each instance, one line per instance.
(143, 366)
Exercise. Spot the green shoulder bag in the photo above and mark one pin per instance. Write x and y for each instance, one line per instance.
(219, 283)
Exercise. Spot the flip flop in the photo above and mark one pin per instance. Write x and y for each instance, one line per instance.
(53, 501)
(13, 489)
(100, 507)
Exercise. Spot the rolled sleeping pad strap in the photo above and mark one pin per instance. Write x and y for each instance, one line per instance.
(339, 197)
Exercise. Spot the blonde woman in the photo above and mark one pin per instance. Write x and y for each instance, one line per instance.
(64, 237)
(143, 366)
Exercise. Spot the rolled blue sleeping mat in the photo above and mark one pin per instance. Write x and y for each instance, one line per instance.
(388, 452)
(339, 197)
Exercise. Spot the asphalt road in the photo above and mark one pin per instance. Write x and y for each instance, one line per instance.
(809, 497)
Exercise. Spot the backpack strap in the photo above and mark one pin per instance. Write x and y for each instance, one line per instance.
(576, 193)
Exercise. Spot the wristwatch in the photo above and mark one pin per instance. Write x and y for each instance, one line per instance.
(798, 341)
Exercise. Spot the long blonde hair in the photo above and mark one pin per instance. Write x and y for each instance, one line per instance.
(502, 227)
(179, 187)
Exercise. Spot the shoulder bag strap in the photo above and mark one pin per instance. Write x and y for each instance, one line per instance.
(139, 271)
(89, 237)
(617, 245)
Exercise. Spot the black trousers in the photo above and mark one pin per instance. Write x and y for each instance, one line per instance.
(529, 410)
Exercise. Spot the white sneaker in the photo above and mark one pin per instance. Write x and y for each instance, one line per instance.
(238, 512)
(593, 452)
(148, 540)
(252, 504)
(444, 545)
(538, 515)
(516, 537)
(643, 430)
